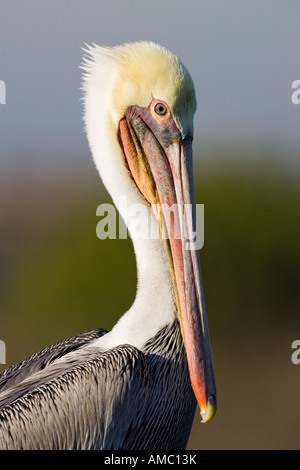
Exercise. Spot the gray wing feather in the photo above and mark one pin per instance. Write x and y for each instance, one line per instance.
(42, 359)
(83, 408)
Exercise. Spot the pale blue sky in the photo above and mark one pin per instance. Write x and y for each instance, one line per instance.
(242, 55)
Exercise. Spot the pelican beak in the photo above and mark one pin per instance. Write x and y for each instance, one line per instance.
(160, 162)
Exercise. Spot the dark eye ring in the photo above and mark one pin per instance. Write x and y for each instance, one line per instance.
(160, 109)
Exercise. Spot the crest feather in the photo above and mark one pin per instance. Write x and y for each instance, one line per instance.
(134, 73)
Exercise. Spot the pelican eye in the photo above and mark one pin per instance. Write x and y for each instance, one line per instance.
(160, 109)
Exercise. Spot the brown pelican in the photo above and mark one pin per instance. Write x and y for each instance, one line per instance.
(135, 387)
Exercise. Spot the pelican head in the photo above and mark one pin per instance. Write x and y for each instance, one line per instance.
(139, 108)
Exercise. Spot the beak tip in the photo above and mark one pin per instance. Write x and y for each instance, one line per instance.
(210, 410)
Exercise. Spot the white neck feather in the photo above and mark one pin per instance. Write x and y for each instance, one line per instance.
(154, 306)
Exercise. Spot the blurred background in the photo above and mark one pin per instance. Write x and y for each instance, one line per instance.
(58, 279)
